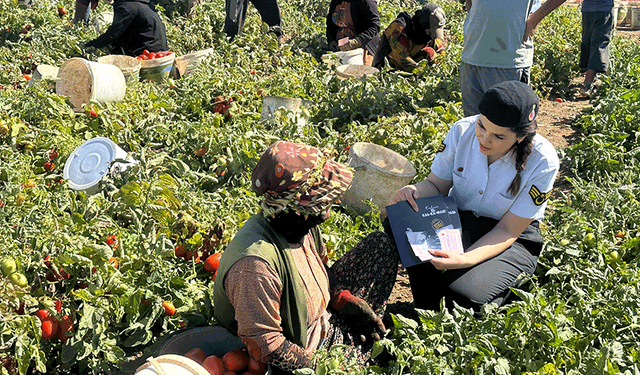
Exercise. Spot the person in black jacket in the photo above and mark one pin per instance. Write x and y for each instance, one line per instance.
(136, 27)
(409, 39)
(354, 24)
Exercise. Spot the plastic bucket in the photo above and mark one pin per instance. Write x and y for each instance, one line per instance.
(294, 107)
(91, 161)
(635, 18)
(102, 21)
(130, 66)
(186, 63)
(214, 340)
(354, 57)
(378, 174)
(25, 4)
(355, 71)
(157, 70)
(171, 364)
(44, 71)
(82, 81)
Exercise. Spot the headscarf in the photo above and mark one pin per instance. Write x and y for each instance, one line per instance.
(303, 178)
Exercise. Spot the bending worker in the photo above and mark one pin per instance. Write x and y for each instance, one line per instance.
(273, 287)
(136, 27)
(409, 40)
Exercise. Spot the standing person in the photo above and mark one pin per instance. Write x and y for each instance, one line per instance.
(81, 13)
(236, 11)
(356, 20)
(136, 27)
(409, 39)
(498, 45)
(500, 173)
(597, 26)
(273, 287)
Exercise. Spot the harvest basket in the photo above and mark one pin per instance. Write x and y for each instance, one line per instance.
(355, 71)
(186, 63)
(157, 70)
(130, 66)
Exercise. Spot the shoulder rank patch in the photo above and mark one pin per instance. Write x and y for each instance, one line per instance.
(538, 196)
(441, 147)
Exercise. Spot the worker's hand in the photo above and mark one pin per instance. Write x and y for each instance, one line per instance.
(359, 316)
(351, 45)
(439, 45)
(86, 49)
(529, 30)
(430, 53)
(447, 260)
(333, 46)
(408, 193)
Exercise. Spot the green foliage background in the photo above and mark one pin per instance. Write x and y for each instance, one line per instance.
(580, 314)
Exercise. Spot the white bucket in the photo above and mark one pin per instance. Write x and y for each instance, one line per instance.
(270, 104)
(130, 66)
(44, 71)
(379, 173)
(354, 57)
(635, 18)
(213, 340)
(171, 364)
(186, 63)
(83, 80)
(91, 161)
(355, 71)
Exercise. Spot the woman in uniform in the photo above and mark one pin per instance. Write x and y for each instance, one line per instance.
(500, 173)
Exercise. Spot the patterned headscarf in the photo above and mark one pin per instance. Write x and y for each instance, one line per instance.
(293, 176)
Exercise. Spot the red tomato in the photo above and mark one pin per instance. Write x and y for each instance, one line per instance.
(197, 355)
(235, 360)
(49, 327)
(214, 365)
(42, 313)
(66, 325)
(169, 309)
(59, 306)
(212, 262)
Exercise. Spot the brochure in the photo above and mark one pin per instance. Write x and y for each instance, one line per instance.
(436, 226)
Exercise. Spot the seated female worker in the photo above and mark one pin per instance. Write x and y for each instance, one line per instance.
(500, 173)
(273, 287)
(408, 40)
(354, 24)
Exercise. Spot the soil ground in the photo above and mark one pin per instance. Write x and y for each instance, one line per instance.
(555, 124)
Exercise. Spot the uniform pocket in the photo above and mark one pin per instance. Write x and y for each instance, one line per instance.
(502, 203)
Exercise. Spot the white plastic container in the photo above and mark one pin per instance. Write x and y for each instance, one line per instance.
(130, 66)
(378, 173)
(635, 18)
(171, 364)
(91, 161)
(186, 63)
(355, 71)
(83, 80)
(43, 71)
(354, 57)
(270, 104)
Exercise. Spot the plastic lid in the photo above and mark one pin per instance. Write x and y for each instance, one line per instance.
(89, 163)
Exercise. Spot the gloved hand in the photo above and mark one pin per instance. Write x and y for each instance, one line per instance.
(351, 45)
(85, 48)
(430, 53)
(359, 316)
(439, 45)
(333, 46)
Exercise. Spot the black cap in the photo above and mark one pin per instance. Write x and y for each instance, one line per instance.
(510, 104)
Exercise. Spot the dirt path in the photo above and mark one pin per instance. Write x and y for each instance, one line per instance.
(555, 124)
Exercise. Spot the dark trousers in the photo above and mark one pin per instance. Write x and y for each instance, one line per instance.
(596, 35)
(483, 283)
(237, 12)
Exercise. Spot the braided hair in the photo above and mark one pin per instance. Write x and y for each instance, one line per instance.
(522, 150)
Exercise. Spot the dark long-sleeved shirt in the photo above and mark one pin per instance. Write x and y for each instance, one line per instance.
(136, 27)
(366, 20)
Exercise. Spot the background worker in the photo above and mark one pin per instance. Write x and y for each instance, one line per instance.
(136, 27)
(273, 287)
(498, 45)
(236, 13)
(409, 40)
(354, 24)
(597, 26)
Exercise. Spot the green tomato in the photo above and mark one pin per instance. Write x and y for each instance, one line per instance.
(334, 364)
(589, 240)
(614, 256)
(564, 242)
(9, 266)
(19, 280)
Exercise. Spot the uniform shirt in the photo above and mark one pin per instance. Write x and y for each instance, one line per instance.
(493, 32)
(597, 6)
(482, 188)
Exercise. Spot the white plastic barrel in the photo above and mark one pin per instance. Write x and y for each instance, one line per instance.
(171, 364)
(294, 106)
(355, 57)
(91, 161)
(635, 18)
(83, 80)
(378, 173)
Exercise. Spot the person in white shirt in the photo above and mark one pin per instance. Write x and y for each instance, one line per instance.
(500, 173)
